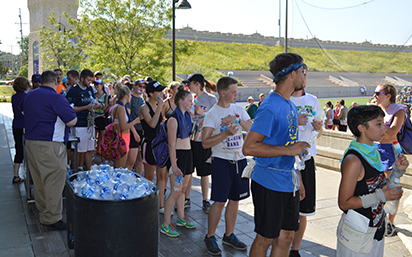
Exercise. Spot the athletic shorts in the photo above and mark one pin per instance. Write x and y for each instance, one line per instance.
(387, 154)
(335, 122)
(274, 211)
(126, 138)
(227, 181)
(308, 204)
(200, 156)
(133, 143)
(147, 152)
(184, 162)
(85, 144)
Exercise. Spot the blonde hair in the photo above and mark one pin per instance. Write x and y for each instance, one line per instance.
(121, 90)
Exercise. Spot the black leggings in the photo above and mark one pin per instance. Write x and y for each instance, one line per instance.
(18, 144)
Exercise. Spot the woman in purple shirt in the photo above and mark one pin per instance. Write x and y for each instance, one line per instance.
(20, 85)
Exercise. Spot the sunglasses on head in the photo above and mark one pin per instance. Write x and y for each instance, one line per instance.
(380, 92)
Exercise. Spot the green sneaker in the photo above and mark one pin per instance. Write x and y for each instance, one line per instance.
(185, 223)
(169, 230)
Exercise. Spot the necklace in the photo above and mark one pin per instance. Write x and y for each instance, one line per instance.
(279, 93)
(288, 101)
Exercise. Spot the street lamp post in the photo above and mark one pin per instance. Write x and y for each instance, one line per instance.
(181, 4)
(286, 28)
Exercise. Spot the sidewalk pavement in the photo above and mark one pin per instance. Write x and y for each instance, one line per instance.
(22, 235)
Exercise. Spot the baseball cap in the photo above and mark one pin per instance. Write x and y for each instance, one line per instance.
(140, 81)
(154, 86)
(98, 81)
(36, 78)
(194, 77)
(64, 79)
(148, 79)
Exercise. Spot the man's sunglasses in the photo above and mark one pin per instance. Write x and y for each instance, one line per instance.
(380, 92)
(36, 81)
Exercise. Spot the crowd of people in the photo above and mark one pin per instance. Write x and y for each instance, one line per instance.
(205, 133)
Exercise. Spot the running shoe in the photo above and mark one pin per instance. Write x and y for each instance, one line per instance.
(185, 223)
(234, 242)
(169, 230)
(211, 245)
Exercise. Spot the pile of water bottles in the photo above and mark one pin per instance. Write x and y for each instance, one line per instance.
(103, 182)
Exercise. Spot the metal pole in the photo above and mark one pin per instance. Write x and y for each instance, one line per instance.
(286, 28)
(280, 12)
(173, 41)
(21, 43)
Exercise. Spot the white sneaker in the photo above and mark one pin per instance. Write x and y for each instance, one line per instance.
(162, 210)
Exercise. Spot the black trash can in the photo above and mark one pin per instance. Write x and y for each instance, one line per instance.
(112, 228)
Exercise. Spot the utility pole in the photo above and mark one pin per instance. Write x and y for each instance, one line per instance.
(21, 41)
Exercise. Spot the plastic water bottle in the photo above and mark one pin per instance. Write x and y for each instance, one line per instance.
(178, 183)
(301, 111)
(121, 187)
(103, 178)
(106, 193)
(126, 178)
(138, 191)
(392, 206)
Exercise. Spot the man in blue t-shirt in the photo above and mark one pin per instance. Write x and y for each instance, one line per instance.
(273, 140)
(82, 98)
(47, 118)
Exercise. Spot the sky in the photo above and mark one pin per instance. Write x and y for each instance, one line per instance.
(376, 21)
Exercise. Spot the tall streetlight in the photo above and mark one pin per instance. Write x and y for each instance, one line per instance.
(286, 28)
(179, 4)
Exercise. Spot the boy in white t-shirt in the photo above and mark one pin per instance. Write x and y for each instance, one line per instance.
(222, 131)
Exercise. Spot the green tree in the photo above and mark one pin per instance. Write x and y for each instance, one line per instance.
(60, 45)
(127, 37)
(25, 48)
(24, 71)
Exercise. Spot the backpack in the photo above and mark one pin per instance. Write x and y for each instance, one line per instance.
(405, 135)
(160, 146)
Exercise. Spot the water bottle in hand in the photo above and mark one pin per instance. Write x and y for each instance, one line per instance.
(178, 183)
(392, 206)
(301, 111)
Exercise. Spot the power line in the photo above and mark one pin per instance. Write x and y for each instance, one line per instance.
(334, 62)
(337, 8)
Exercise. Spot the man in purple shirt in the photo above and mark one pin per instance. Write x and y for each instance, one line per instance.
(47, 116)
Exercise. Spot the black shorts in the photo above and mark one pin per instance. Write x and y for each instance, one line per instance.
(133, 143)
(335, 122)
(343, 128)
(100, 123)
(147, 153)
(308, 204)
(184, 162)
(200, 155)
(274, 211)
(227, 181)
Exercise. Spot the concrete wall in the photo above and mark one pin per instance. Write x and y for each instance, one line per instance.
(190, 34)
(331, 146)
(40, 10)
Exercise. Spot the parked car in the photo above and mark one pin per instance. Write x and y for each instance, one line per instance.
(10, 82)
